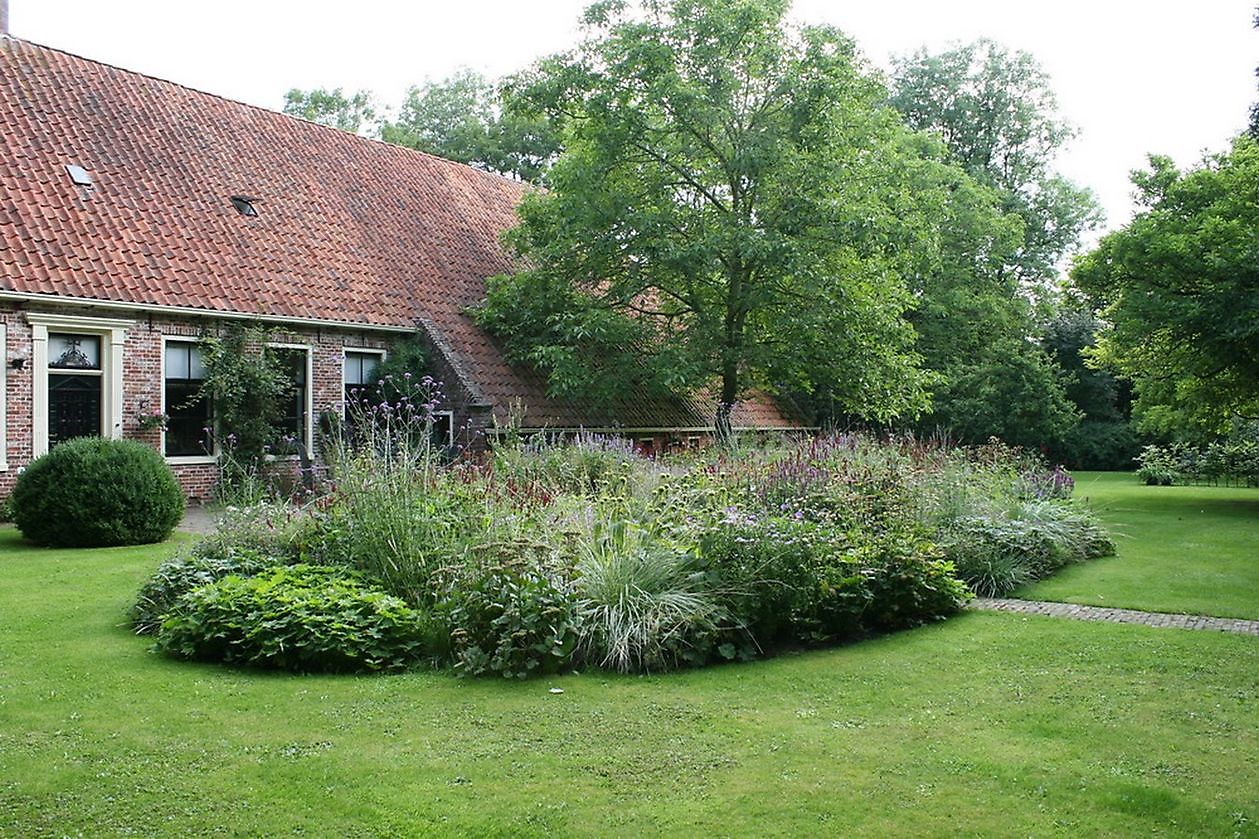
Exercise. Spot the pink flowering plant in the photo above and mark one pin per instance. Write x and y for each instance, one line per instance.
(147, 417)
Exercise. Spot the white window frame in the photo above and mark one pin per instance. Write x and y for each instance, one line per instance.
(346, 351)
(450, 441)
(183, 459)
(113, 336)
(309, 430)
(4, 397)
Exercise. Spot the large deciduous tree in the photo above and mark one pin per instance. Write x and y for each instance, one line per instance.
(1178, 289)
(730, 208)
(973, 322)
(997, 112)
(1004, 236)
(466, 118)
(355, 112)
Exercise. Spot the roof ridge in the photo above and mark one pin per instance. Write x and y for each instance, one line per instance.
(524, 185)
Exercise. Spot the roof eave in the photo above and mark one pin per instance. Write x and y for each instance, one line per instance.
(191, 311)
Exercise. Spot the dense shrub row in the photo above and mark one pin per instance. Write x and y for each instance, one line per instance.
(552, 556)
(1230, 460)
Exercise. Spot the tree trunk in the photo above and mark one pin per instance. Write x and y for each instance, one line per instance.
(725, 408)
(730, 354)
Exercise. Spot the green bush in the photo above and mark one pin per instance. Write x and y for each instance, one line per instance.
(177, 576)
(510, 615)
(1161, 466)
(1233, 459)
(301, 617)
(796, 581)
(909, 585)
(996, 553)
(93, 492)
(246, 541)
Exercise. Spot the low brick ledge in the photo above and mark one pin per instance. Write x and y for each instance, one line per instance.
(1102, 613)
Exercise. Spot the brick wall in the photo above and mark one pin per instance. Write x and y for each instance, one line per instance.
(142, 382)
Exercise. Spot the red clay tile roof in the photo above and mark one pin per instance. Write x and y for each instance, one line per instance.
(348, 230)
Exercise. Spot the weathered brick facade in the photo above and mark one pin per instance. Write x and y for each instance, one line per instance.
(142, 384)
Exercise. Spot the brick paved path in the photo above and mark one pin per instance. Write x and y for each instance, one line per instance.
(1100, 613)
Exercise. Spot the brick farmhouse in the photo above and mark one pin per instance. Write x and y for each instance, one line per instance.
(137, 215)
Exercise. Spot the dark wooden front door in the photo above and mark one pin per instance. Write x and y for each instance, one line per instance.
(74, 407)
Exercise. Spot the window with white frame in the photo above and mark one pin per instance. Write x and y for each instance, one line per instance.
(360, 374)
(76, 371)
(293, 421)
(76, 387)
(443, 429)
(189, 414)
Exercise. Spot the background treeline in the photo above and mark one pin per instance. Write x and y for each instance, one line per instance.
(959, 227)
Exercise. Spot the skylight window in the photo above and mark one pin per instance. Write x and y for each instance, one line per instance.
(245, 205)
(79, 175)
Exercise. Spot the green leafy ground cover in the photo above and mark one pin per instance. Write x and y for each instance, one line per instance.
(1192, 549)
(987, 724)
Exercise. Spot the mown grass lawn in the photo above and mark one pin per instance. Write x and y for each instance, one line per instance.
(1191, 549)
(990, 724)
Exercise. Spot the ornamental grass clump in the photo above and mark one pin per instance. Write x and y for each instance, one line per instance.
(398, 511)
(644, 604)
(1004, 521)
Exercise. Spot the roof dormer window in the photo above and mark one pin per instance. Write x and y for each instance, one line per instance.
(245, 205)
(78, 175)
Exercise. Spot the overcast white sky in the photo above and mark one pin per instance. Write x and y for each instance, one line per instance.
(1135, 76)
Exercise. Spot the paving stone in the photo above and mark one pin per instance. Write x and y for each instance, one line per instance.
(1103, 613)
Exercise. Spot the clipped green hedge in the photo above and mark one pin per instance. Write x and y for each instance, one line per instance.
(300, 617)
(92, 492)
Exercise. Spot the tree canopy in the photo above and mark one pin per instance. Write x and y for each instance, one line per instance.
(731, 204)
(354, 112)
(731, 207)
(997, 113)
(449, 118)
(1178, 288)
(1004, 232)
(464, 118)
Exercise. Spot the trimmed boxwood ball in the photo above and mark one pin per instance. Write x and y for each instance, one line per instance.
(92, 492)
